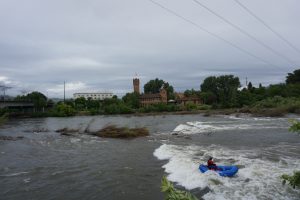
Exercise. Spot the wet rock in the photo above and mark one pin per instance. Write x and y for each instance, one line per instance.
(207, 114)
(37, 130)
(67, 134)
(216, 181)
(247, 180)
(11, 138)
(208, 133)
(200, 192)
(67, 131)
(187, 137)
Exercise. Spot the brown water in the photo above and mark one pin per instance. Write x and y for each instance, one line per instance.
(45, 165)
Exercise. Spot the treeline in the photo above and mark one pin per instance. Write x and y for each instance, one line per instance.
(216, 92)
(126, 105)
(225, 92)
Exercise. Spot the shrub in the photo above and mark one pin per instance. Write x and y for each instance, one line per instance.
(190, 106)
(124, 109)
(112, 109)
(174, 194)
(295, 126)
(293, 180)
(203, 107)
(63, 110)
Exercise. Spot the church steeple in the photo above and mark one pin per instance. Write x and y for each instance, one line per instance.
(136, 84)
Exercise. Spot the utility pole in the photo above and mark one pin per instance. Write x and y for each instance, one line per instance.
(246, 81)
(64, 91)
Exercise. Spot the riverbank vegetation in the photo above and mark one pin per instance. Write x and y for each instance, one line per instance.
(219, 94)
(295, 127)
(172, 193)
(293, 180)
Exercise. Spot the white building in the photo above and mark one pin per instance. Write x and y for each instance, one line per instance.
(94, 95)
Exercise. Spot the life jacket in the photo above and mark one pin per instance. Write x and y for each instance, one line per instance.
(210, 163)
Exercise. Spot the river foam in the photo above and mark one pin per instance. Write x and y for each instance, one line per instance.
(258, 177)
(229, 123)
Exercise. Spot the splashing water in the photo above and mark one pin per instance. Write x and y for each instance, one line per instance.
(234, 123)
(257, 178)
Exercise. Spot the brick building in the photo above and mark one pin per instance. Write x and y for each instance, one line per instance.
(183, 100)
(150, 99)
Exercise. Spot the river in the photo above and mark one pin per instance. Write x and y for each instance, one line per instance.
(45, 165)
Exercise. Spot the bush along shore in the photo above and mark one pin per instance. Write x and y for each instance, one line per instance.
(293, 180)
(171, 193)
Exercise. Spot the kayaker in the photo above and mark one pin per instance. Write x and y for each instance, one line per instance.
(211, 164)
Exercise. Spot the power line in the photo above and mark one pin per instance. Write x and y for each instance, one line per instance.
(211, 33)
(245, 32)
(268, 26)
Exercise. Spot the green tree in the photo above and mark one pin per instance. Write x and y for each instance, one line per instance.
(223, 87)
(293, 90)
(293, 78)
(112, 109)
(154, 86)
(277, 90)
(70, 102)
(132, 100)
(38, 99)
(192, 93)
(80, 103)
(170, 90)
(245, 98)
(208, 97)
(210, 84)
(92, 104)
(259, 93)
(63, 110)
(250, 87)
(111, 101)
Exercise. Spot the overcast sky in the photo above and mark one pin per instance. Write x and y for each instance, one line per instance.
(97, 45)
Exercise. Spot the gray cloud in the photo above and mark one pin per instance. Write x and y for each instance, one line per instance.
(99, 45)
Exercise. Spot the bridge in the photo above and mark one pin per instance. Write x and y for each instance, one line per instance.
(16, 104)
